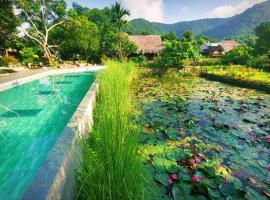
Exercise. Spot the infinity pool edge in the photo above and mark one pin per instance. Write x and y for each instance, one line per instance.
(55, 178)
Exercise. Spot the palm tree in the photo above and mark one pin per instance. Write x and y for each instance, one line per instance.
(118, 14)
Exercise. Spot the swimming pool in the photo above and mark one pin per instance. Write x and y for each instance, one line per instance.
(32, 117)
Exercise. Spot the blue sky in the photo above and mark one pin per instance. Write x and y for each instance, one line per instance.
(170, 11)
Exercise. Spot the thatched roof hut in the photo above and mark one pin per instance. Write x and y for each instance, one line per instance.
(219, 48)
(228, 45)
(147, 44)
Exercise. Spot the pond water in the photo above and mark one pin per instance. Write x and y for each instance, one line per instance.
(32, 117)
(227, 128)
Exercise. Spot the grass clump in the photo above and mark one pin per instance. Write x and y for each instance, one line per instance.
(111, 167)
(240, 73)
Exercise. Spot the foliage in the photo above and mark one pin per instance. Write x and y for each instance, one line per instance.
(9, 60)
(240, 55)
(140, 60)
(186, 145)
(107, 31)
(79, 38)
(43, 17)
(31, 55)
(263, 34)
(169, 36)
(261, 61)
(239, 72)
(118, 13)
(176, 52)
(202, 39)
(128, 48)
(203, 61)
(8, 23)
(111, 168)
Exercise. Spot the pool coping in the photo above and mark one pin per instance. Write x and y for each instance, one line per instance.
(20, 81)
(55, 179)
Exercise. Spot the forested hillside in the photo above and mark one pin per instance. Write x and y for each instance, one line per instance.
(242, 24)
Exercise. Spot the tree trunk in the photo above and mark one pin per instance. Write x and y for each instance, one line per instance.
(48, 54)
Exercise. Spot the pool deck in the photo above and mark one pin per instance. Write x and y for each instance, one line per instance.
(19, 78)
(21, 74)
(55, 180)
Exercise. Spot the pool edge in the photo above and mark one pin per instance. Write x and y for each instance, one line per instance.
(55, 178)
(20, 81)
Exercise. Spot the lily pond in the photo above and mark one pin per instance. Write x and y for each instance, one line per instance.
(203, 139)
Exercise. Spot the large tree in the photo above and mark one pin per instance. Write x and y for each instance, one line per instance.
(263, 41)
(42, 16)
(8, 23)
(78, 38)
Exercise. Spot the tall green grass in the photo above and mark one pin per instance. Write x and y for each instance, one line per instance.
(111, 167)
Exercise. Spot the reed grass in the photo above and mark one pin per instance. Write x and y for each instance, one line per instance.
(111, 168)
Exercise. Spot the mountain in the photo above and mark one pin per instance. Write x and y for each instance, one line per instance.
(241, 24)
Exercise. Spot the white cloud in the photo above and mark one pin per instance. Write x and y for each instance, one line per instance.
(231, 10)
(152, 10)
(184, 9)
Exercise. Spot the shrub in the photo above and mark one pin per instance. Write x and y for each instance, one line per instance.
(9, 61)
(203, 62)
(176, 52)
(140, 60)
(240, 55)
(30, 55)
(261, 62)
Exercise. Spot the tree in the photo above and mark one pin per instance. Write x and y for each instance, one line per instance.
(109, 46)
(8, 23)
(240, 55)
(78, 38)
(117, 17)
(169, 36)
(263, 41)
(118, 14)
(43, 17)
(187, 36)
(176, 52)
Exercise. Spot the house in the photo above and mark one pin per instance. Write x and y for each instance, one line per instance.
(148, 45)
(216, 49)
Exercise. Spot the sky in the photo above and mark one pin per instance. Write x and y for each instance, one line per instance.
(171, 11)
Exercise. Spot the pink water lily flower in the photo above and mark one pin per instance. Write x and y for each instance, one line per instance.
(170, 181)
(202, 178)
(197, 160)
(267, 139)
(194, 168)
(254, 136)
(174, 176)
(195, 179)
(225, 181)
(268, 168)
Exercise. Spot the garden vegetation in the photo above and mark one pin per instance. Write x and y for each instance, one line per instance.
(112, 168)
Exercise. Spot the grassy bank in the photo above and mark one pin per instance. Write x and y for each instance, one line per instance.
(239, 75)
(111, 168)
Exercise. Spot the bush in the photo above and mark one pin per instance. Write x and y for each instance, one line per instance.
(140, 60)
(175, 53)
(240, 56)
(30, 55)
(203, 62)
(261, 62)
(8, 61)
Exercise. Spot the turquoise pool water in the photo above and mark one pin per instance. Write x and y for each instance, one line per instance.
(32, 116)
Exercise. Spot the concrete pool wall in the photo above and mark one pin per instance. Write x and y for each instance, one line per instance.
(55, 178)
